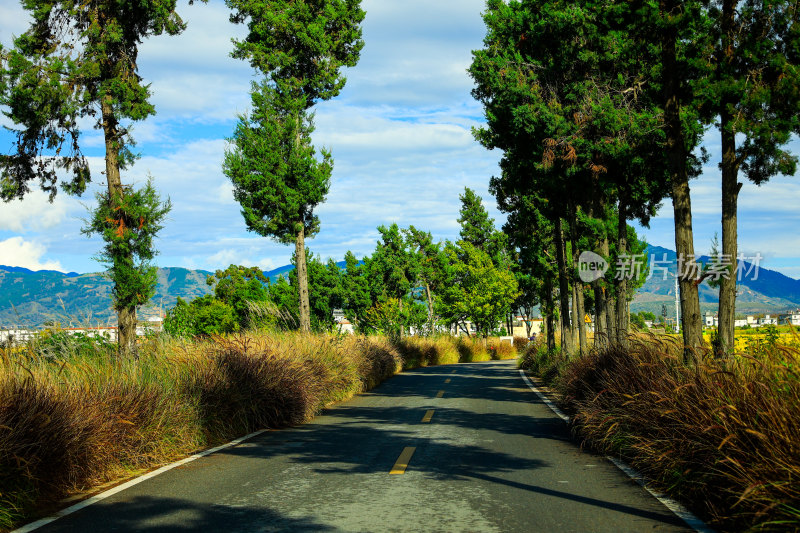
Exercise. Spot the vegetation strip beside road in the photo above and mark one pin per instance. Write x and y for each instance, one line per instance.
(109, 417)
(720, 436)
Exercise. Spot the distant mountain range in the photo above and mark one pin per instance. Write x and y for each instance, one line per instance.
(770, 291)
(32, 298)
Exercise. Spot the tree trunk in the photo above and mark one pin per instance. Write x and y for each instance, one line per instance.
(430, 308)
(528, 324)
(550, 306)
(563, 290)
(622, 281)
(730, 197)
(582, 319)
(681, 197)
(400, 308)
(578, 321)
(302, 281)
(611, 319)
(126, 312)
(600, 332)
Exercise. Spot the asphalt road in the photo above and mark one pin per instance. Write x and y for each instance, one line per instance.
(490, 457)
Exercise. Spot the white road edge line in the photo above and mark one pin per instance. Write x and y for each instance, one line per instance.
(679, 510)
(119, 488)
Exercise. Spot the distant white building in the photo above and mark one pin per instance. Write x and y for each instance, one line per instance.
(790, 317)
(768, 321)
(342, 324)
(712, 321)
(16, 334)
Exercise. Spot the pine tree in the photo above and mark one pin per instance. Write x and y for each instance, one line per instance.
(752, 91)
(77, 63)
(300, 47)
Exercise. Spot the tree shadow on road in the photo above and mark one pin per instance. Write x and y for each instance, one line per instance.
(173, 515)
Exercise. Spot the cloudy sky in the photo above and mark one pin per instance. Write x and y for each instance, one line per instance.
(399, 133)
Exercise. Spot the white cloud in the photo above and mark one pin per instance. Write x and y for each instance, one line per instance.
(34, 212)
(231, 256)
(27, 254)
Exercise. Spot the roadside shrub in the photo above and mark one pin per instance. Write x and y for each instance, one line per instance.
(501, 350)
(520, 343)
(471, 350)
(204, 316)
(426, 351)
(377, 358)
(249, 385)
(722, 435)
(540, 361)
(59, 345)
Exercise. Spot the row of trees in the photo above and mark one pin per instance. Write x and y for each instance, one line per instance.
(77, 65)
(600, 108)
(409, 283)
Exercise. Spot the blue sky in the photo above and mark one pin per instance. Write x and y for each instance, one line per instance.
(399, 133)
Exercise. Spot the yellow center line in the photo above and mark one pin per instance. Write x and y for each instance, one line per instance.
(440, 394)
(453, 372)
(402, 461)
(428, 415)
(447, 380)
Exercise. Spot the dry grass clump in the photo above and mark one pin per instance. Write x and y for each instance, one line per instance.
(724, 435)
(499, 350)
(58, 436)
(472, 350)
(427, 351)
(377, 358)
(520, 343)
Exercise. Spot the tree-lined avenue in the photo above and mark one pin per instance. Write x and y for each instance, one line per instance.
(490, 457)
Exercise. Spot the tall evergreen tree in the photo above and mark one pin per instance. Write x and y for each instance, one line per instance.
(277, 178)
(564, 100)
(753, 92)
(677, 31)
(76, 64)
(300, 47)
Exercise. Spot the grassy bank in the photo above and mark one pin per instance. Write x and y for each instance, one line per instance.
(723, 436)
(72, 416)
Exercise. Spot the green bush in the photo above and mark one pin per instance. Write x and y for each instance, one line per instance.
(59, 345)
(204, 316)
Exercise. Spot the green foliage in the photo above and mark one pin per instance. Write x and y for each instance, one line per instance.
(204, 316)
(75, 55)
(355, 291)
(240, 287)
(300, 46)
(276, 177)
(476, 290)
(647, 315)
(638, 320)
(477, 228)
(324, 290)
(751, 89)
(128, 223)
(394, 263)
(59, 345)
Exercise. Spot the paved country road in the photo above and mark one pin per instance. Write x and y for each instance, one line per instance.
(489, 457)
